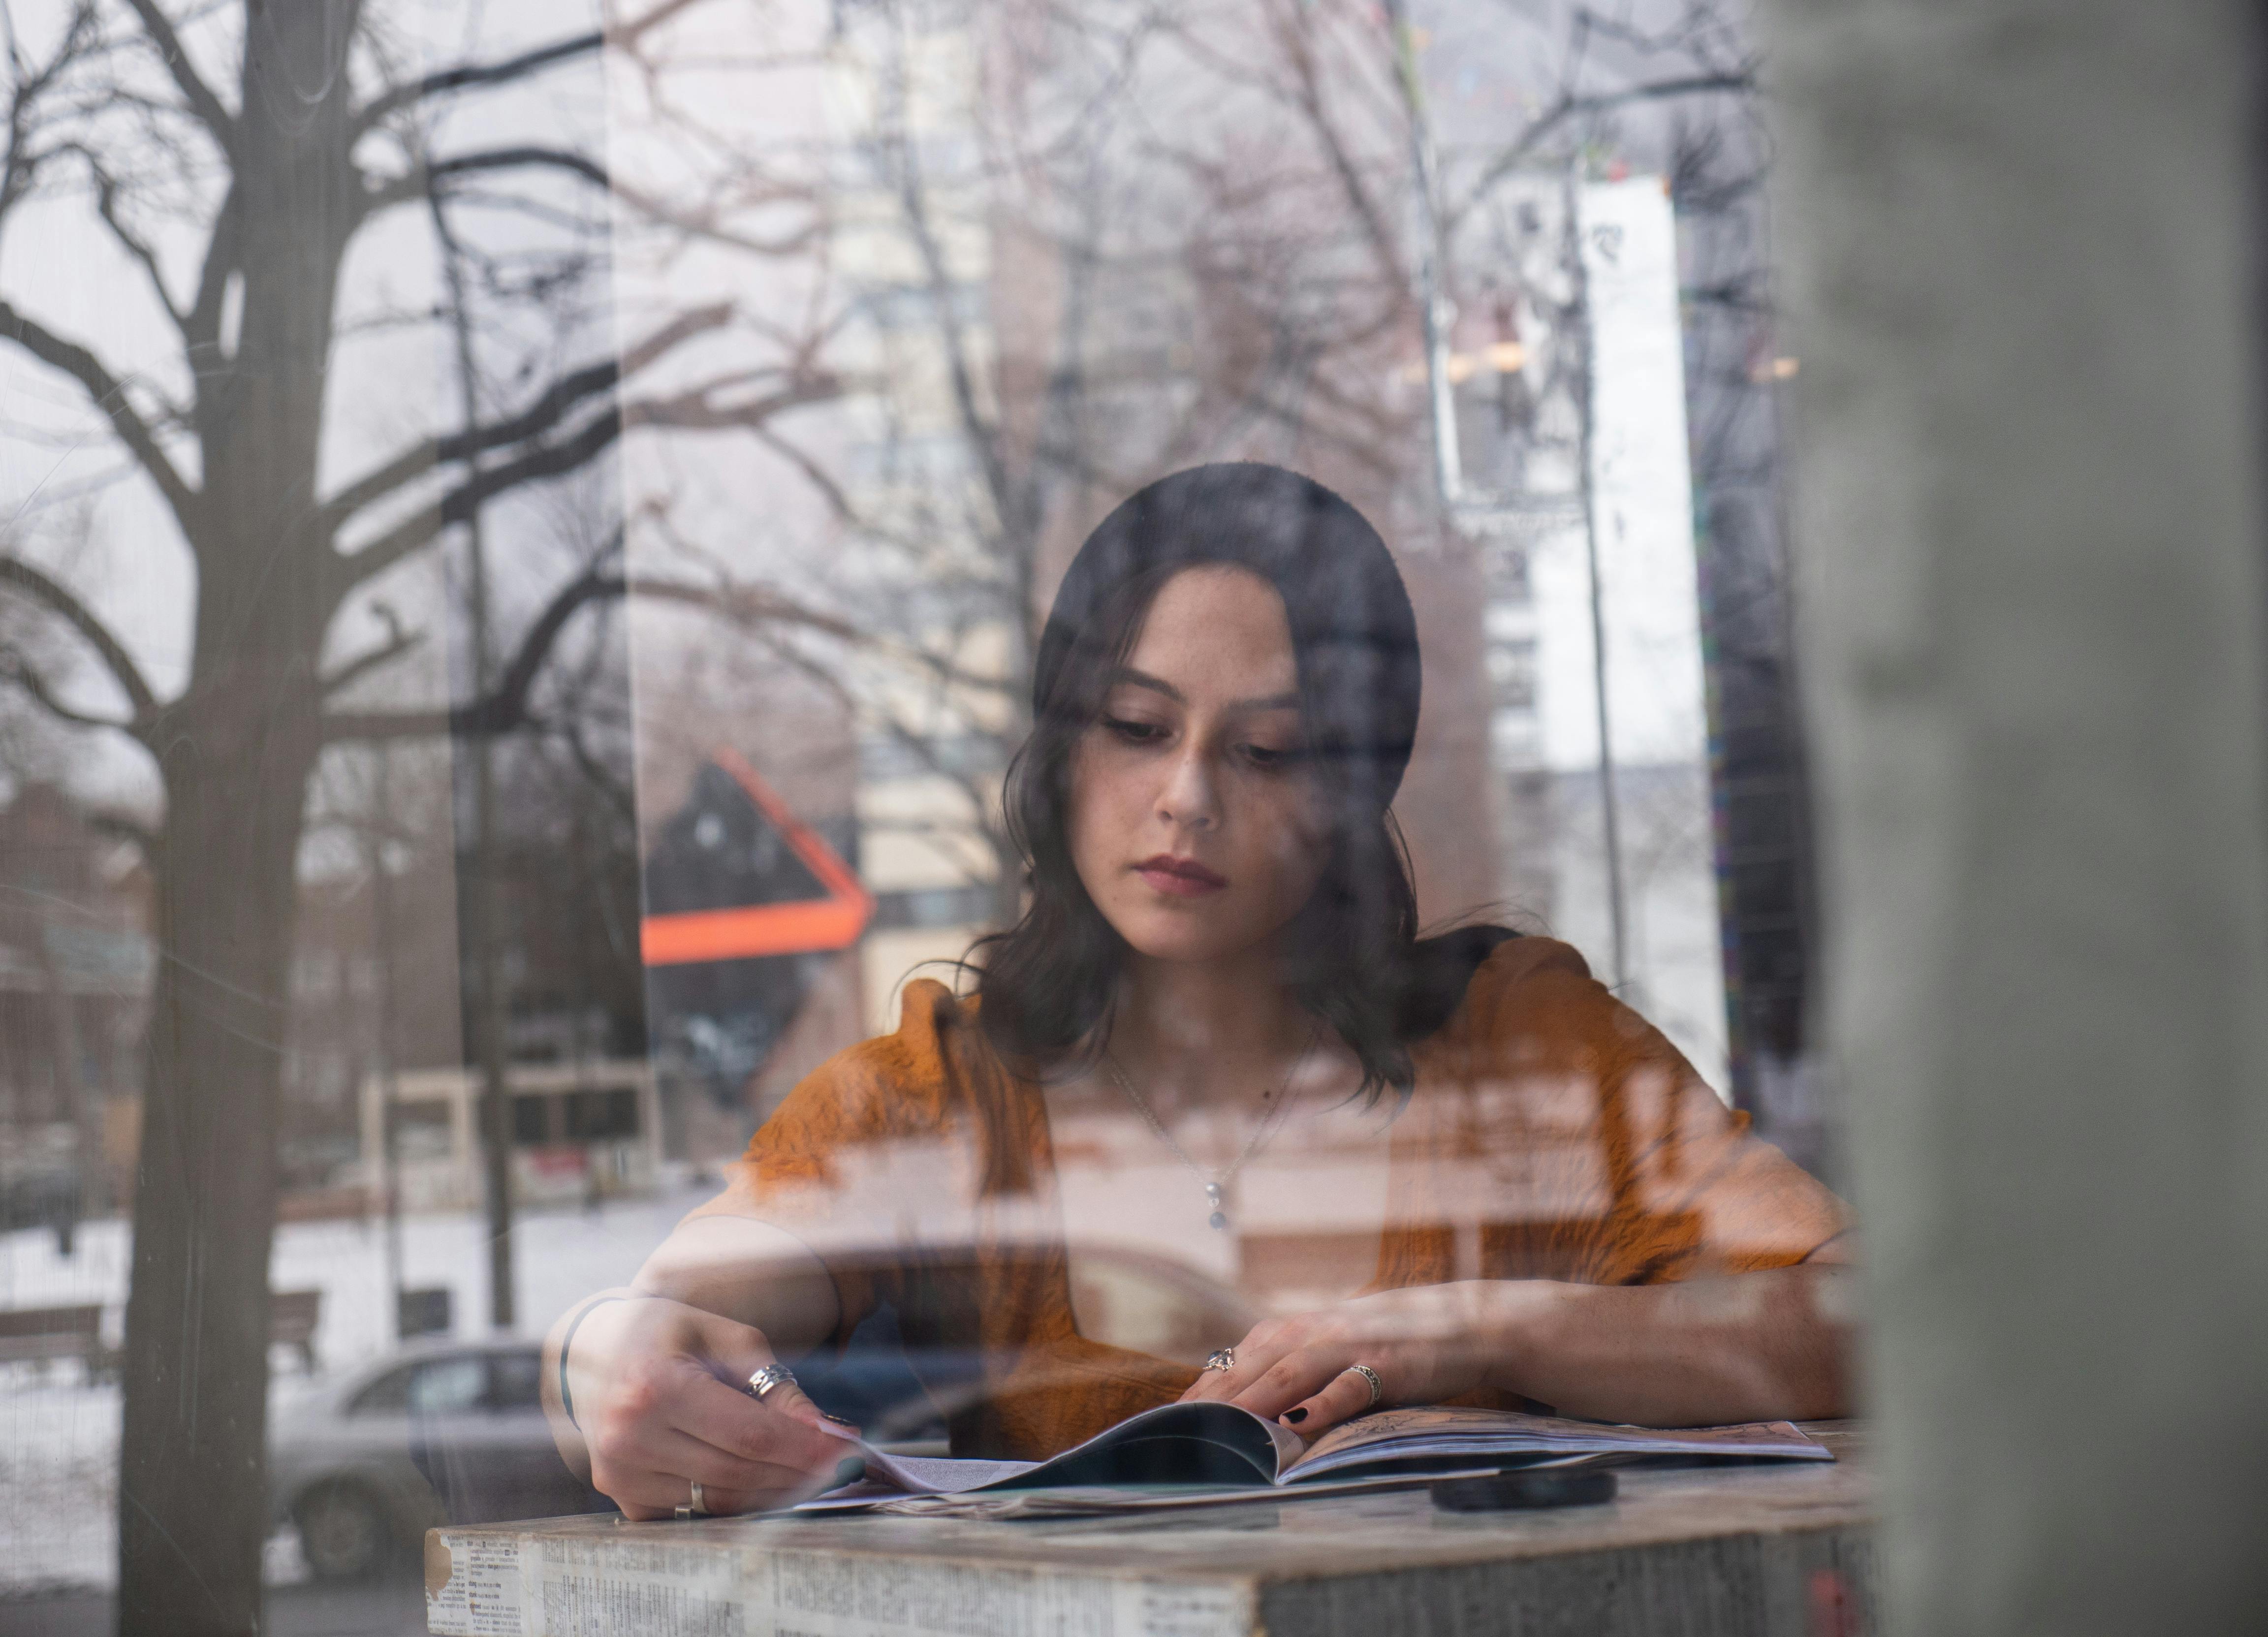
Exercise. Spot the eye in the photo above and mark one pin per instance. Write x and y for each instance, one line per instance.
(1132, 731)
(1267, 758)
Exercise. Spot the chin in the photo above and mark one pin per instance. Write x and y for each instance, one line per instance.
(1162, 938)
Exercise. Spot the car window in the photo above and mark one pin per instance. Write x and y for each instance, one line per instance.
(388, 1395)
(448, 1386)
(516, 1381)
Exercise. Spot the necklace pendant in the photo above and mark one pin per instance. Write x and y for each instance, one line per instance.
(1212, 1194)
(1219, 1221)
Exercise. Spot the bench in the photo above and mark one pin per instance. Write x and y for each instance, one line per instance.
(41, 1335)
(292, 1316)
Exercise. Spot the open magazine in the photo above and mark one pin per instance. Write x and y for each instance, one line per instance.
(1177, 1451)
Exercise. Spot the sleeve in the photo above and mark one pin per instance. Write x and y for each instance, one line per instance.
(1616, 1162)
(866, 1150)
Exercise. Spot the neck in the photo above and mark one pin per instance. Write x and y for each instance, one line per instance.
(1204, 1032)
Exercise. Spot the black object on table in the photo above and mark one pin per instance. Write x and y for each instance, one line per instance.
(1524, 1490)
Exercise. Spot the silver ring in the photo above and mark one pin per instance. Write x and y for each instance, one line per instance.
(699, 1507)
(1221, 1359)
(764, 1377)
(1377, 1388)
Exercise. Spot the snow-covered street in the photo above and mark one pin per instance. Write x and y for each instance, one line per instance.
(59, 1434)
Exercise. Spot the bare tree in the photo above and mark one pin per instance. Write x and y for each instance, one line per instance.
(235, 157)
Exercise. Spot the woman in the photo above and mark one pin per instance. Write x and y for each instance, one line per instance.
(1528, 1195)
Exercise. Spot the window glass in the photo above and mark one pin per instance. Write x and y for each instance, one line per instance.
(388, 1395)
(822, 659)
(448, 1386)
(515, 1381)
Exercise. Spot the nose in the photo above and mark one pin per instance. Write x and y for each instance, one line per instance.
(1189, 800)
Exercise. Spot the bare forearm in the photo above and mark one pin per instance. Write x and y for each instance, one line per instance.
(749, 1272)
(1751, 1346)
(736, 1268)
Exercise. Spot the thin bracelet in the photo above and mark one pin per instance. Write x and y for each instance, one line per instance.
(567, 1399)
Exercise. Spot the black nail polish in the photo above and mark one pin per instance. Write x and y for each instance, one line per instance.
(1295, 1416)
(849, 1470)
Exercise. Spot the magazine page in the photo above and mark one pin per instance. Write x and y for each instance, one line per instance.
(1445, 1433)
(1009, 1505)
(1174, 1443)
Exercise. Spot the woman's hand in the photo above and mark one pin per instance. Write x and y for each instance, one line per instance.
(655, 1407)
(1426, 1343)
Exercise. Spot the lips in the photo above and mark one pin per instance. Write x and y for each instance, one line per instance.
(1180, 878)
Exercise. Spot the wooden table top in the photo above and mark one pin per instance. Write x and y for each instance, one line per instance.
(502, 1577)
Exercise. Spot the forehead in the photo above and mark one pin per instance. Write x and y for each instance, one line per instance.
(1217, 630)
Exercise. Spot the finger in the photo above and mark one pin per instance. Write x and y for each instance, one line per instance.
(1259, 1350)
(1341, 1399)
(683, 1456)
(790, 1399)
(1287, 1381)
(645, 1496)
(741, 1351)
(738, 1425)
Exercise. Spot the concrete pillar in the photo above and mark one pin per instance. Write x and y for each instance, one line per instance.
(2023, 270)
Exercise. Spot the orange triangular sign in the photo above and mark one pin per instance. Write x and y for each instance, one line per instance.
(736, 876)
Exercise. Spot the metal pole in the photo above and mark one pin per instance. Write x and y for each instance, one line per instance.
(478, 894)
(381, 908)
(72, 1081)
(1433, 307)
(1609, 807)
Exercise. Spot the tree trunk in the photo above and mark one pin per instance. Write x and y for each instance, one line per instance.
(234, 754)
(192, 1463)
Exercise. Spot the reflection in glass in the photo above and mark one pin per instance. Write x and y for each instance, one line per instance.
(486, 482)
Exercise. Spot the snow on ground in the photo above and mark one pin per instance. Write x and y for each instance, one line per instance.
(59, 1434)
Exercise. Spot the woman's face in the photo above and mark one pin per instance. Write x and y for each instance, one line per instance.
(1195, 825)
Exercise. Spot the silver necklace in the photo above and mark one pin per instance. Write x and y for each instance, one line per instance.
(1214, 1182)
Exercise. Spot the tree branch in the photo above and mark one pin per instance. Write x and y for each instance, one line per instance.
(693, 410)
(699, 409)
(400, 97)
(201, 324)
(14, 667)
(203, 102)
(33, 583)
(419, 181)
(754, 608)
(109, 395)
(1568, 106)
(539, 417)
(398, 642)
(1309, 98)
(460, 503)
(106, 204)
(503, 707)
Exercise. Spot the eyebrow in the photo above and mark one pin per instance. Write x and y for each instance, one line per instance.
(1126, 675)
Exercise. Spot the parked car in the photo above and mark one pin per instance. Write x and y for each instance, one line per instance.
(366, 1462)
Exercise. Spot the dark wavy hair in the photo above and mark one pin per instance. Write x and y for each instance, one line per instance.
(1351, 955)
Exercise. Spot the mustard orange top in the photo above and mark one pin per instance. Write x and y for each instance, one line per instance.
(1552, 1134)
